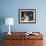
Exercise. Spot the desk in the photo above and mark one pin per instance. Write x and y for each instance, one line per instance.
(20, 39)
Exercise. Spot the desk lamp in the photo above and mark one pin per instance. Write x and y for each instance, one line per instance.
(9, 21)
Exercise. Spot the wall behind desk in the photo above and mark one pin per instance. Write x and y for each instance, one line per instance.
(9, 8)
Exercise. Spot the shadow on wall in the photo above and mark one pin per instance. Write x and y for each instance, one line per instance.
(2, 21)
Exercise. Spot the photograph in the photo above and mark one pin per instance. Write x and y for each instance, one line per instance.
(27, 15)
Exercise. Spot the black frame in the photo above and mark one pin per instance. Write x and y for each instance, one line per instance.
(28, 12)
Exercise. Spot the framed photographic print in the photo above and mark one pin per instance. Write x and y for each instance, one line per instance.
(27, 16)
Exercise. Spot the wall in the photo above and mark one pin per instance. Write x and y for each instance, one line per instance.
(9, 8)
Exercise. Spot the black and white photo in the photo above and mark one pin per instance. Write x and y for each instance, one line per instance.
(27, 15)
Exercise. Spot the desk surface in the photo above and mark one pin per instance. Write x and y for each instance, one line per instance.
(22, 35)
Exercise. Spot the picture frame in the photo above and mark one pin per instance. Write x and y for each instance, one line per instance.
(27, 16)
